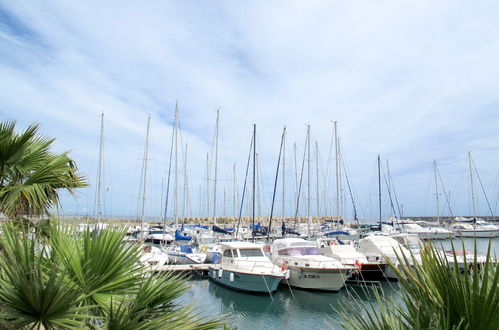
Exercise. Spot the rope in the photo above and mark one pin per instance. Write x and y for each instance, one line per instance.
(268, 289)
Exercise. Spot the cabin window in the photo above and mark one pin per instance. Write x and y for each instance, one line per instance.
(303, 251)
(228, 253)
(251, 253)
(283, 252)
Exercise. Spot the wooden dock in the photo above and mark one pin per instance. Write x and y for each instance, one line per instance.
(198, 268)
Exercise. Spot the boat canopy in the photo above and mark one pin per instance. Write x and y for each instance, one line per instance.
(217, 229)
(181, 237)
(338, 232)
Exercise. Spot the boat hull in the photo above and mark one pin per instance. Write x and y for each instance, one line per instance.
(248, 282)
(478, 233)
(369, 272)
(318, 279)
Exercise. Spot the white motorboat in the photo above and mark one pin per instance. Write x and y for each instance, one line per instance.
(308, 268)
(153, 256)
(480, 229)
(426, 233)
(347, 254)
(185, 255)
(384, 248)
(245, 267)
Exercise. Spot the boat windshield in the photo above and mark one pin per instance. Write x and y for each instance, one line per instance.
(299, 251)
(251, 253)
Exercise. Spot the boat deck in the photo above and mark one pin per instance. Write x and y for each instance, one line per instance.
(183, 268)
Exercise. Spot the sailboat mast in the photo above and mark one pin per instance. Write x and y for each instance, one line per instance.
(234, 186)
(436, 190)
(337, 163)
(185, 203)
(379, 189)
(308, 182)
(283, 173)
(254, 180)
(100, 169)
(317, 178)
(207, 185)
(472, 186)
(144, 168)
(175, 206)
(216, 171)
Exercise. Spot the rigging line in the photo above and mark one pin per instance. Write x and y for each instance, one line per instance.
(389, 190)
(244, 188)
(301, 179)
(349, 187)
(447, 199)
(483, 189)
(275, 182)
(174, 127)
(390, 180)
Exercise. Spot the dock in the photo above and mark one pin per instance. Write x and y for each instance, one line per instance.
(198, 268)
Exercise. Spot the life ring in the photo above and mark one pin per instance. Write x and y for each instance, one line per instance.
(284, 265)
(204, 248)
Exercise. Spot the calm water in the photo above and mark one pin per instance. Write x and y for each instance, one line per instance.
(297, 310)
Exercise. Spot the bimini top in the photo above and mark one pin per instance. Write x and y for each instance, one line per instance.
(284, 243)
(241, 245)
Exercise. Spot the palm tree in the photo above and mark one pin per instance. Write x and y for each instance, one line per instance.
(31, 175)
(89, 279)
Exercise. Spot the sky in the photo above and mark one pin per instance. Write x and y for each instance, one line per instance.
(412, 81)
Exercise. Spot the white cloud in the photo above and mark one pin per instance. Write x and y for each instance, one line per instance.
(412, 81)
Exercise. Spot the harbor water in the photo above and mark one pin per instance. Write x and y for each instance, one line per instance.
(291, 308)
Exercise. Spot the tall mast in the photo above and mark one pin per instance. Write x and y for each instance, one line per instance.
(379, 189)
(275, 182)
(207, 185)
(317, 178)
(254, 178)
(100, 169)
(283, 173)
(185, 203)
(144, 176)
(175, 206)
(234, 186)
(216, 172)
(472, 188)
(436, 190)
(308, 182)
(336, 146)
(296, 173)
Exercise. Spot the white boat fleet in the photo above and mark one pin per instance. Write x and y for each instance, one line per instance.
(326, 262)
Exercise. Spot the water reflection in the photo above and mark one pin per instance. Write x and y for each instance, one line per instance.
(297, 310)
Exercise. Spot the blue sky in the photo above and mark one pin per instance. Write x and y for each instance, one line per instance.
(412, 81)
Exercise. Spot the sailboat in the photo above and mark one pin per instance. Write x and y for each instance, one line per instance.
(243, 265)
